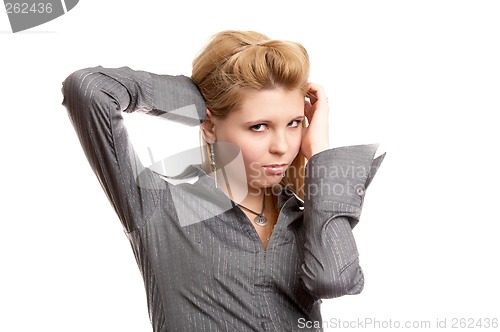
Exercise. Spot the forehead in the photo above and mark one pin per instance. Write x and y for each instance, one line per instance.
(271, 103)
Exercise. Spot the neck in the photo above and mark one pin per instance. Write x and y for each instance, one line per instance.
(254, 201)
(241, 192)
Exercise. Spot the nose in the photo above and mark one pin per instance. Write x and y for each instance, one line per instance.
(278, 144)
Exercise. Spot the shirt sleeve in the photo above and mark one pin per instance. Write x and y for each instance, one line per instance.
(335, 185)
(95, 98)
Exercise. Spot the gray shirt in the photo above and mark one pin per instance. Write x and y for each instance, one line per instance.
(203, 263)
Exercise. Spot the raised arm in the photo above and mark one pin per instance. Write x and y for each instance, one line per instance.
(95, 98)
(335, 186)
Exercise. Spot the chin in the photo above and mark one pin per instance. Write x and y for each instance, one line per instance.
(268, 182)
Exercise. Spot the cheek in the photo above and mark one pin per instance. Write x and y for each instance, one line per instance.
(251, 154)
(249, 150)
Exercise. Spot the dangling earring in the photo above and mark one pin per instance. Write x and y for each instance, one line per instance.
(212, 162)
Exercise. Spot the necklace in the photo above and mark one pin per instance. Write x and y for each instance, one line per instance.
(259, 219)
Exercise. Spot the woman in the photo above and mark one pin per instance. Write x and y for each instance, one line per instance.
(258, 238)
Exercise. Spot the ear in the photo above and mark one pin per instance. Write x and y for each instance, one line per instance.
(208, 128)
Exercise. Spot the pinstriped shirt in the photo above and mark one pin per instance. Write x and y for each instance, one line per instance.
(202, 261)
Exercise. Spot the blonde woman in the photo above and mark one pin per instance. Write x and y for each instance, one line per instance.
(264, 231)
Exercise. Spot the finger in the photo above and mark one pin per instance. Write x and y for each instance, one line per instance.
(311, 95)
(317, 92)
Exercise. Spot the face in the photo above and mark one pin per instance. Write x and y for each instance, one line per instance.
(267, 128)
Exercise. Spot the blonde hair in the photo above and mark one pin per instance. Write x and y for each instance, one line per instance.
(234, 62)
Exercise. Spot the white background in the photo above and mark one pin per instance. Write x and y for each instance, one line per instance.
(422, 78)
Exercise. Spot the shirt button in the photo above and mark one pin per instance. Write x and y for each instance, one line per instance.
(360, 190)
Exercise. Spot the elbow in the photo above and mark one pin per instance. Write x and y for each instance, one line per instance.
(76, 84)
(89, 87)
(327, 284)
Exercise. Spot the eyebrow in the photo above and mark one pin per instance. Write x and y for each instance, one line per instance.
(298, 117)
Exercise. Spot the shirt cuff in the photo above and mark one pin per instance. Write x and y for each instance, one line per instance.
(336, 179)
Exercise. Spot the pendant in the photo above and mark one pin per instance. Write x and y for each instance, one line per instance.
(260, 220)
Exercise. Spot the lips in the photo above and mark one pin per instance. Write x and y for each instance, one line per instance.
(275, 169)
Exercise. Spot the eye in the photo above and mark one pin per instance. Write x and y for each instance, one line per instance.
(295, 123)
(258, 127)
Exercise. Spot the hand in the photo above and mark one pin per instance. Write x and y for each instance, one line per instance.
(315, 137)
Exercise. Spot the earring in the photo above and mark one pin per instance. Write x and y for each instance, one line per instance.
(212, 162)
